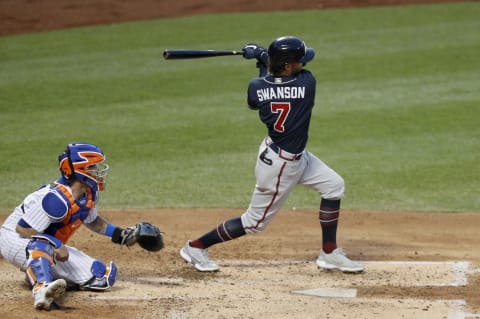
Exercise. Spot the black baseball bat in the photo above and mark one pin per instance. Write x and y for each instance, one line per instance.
(195, 54)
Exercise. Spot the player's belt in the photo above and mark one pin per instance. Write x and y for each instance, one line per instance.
(283, 154)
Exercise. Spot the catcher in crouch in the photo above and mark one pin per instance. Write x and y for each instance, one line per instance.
(34, 237)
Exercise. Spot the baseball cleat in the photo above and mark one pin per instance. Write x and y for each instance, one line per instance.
(46, 294)
(198, 258)
(338, 260)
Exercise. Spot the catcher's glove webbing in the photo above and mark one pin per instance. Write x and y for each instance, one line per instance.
(147, 235)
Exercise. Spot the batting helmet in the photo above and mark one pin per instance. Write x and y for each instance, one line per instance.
(288, 49)
(84, 162)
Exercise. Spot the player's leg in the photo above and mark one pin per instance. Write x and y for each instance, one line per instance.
(195, 252)
(331, 257)
(331, 187)
(103, 276)
(12, 248)
(275, 178)
(84, 272)
(39, 273)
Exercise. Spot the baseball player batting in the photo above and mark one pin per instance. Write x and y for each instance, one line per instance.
(34, 237)
(283, 95)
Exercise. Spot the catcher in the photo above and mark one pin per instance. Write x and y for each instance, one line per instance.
(34, 237)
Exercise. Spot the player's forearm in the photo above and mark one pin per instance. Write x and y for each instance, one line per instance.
(99, 225)
(25, 232)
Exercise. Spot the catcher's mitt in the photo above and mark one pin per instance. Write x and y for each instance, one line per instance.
(147, 235)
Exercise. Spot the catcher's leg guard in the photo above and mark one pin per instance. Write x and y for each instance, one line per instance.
(39, 260)
(103, 277)
(39, 274)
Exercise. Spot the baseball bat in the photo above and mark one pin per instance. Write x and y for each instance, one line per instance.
(195, 54)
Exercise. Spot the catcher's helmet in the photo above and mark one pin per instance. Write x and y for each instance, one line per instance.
(288, 49)
(84, 162)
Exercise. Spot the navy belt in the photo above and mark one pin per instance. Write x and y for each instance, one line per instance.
(291, 157)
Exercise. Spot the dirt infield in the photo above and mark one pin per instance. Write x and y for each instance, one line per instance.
(421, 265)
(418, 265)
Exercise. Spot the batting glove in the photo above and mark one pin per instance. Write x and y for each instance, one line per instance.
(252, 51)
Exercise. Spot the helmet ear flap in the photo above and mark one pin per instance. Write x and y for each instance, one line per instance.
(70, 164)
(66, 165)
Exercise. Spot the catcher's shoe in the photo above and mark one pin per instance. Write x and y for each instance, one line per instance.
(45, 294)
(338, 260)
(198, 258)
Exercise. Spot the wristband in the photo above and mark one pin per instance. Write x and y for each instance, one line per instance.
(110, 229)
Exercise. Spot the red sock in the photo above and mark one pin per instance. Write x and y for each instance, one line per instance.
(197, 244)
(329, 247)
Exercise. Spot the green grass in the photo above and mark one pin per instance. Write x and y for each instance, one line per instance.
(397, 109)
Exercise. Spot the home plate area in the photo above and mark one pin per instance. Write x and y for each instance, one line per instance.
(298, 289)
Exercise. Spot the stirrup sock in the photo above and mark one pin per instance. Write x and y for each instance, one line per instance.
(328, 215)
(225, 231)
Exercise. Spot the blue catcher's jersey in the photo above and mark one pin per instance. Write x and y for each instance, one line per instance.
(285, 107)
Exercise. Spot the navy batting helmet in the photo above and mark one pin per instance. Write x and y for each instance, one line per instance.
(288, 49)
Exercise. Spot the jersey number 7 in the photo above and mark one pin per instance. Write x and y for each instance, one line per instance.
(284, 109)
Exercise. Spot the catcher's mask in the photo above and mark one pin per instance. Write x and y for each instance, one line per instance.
(85, 163)
(286, 50)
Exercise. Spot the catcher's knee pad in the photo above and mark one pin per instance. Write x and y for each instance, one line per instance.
(39, 260)
(103, 277)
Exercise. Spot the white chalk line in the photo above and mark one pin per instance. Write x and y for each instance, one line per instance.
(260, 263)
(328, 292)
(160, 281)
(460, 270)
(124, 298)
(457, 310)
